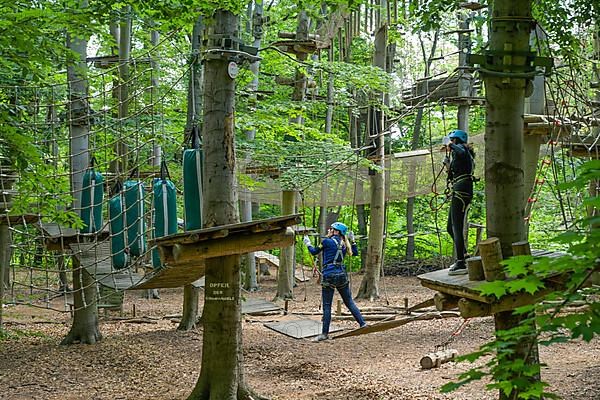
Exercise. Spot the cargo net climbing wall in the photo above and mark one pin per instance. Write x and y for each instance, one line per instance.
(93, 187)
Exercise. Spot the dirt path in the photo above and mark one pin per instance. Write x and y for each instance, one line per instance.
(152, 360)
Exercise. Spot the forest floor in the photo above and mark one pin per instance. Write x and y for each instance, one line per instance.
(147, 358)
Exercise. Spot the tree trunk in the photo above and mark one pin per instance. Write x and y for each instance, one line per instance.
(85, 317)
(222, 372)
(246, 205)
(504, 151)
(189, 318)
(124, 55)
(195, 90)
(285, 273)
(369, 287)
(504, 154)
(416, 141)
(5, 256)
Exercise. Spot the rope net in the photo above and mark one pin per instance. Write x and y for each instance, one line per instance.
(110, 153)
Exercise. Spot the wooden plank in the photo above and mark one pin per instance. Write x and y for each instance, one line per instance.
(413, 153)
(58, 238)
(301, 328)
(200, 235)
(258, 306)
(385, 325)
(173, 276)
(423, 304)
(263, 256)
(240, 243)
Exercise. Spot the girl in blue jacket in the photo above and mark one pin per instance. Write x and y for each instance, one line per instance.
(334, 276)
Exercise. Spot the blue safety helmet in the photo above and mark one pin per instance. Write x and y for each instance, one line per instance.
(338, 226)
(459, 134)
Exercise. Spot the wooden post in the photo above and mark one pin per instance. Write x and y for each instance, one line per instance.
(338, 309)
(445, 302)
(491, 256)
(521, 248)
(475, 269)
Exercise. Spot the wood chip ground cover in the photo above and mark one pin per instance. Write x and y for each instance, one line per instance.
(147, 358)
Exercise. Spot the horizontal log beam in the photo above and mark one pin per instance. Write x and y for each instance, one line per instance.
(470, 308)
(231, 245)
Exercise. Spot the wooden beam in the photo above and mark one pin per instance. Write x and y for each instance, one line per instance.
(445, 302)
(470, 309)
(188, 253)
(383, 326)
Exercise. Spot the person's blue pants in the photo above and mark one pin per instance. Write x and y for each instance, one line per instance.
(344, 291)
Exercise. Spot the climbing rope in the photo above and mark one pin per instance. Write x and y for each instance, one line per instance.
(444, 345)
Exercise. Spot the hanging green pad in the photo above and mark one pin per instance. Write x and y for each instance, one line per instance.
(134, 217)
(192, 188)
(116, 219)
(165, 213)
(92, 193)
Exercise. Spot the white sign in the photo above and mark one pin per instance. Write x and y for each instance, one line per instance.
(232, 70)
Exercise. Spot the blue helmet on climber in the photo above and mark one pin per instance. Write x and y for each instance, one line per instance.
(338, 226)
(459, 134)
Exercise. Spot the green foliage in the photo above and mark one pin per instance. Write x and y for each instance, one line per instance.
(529, 274)
(299, 164)
(562, 19)
(430, 13)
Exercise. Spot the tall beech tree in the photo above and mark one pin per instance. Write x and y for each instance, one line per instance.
(222, 371)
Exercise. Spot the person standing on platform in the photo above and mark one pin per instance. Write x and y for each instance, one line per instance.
(460, 165)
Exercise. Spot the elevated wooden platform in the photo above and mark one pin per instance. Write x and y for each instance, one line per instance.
(183, 254)
(58, 237)
(293, 46)
(226, 240)
(96, 259)
(539, 124)
(463, 289)
(262, 257)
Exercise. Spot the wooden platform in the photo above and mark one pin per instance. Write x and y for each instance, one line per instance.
(461, 286)
(173, 276)
(96, 259)
(258, 306)
(233, 239)
(58, 237)
(270, 260)
(458, 285)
